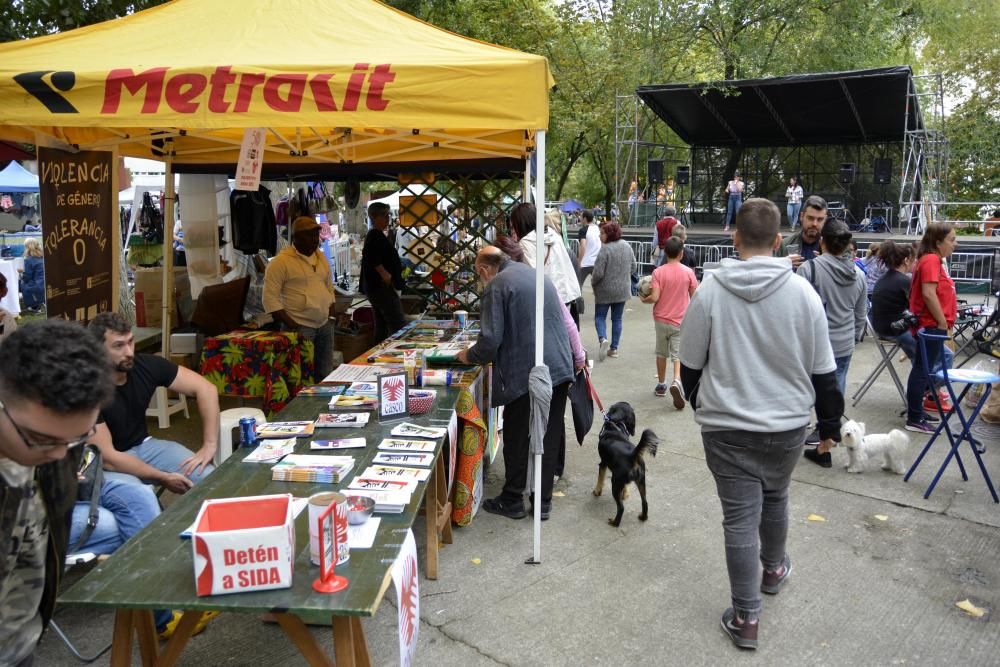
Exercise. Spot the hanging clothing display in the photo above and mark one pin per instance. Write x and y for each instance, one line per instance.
(253, 221)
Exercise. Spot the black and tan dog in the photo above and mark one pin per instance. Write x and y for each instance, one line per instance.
(624, 460)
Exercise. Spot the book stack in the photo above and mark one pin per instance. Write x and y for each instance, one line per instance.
(323, 469)
(301, 429)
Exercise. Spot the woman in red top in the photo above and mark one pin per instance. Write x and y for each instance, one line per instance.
(933, 300)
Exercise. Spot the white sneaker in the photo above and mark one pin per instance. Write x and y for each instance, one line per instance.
(603, 351)
(677, 393)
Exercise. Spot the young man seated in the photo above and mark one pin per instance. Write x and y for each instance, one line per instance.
(122, 435)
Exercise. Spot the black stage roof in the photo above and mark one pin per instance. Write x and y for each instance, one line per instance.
(859, 107)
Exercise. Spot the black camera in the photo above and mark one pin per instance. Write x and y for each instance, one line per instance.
(906, 321)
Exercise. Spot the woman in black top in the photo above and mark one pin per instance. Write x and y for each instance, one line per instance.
(891, 295)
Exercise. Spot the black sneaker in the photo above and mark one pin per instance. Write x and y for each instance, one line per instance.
(742, 632)
(813, 438)
(546, 508)
(922, 426)
(822, 460)
(771, 582)
(508, 508)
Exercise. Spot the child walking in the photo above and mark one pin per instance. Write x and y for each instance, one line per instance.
(672, 287)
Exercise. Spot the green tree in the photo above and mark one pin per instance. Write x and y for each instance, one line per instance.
(31, 18)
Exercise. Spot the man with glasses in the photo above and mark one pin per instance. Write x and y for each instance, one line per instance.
(53, 380)
(122, 436)
(507, 340)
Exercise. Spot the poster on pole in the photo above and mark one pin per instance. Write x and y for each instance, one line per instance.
(251, 159)
(77, 205)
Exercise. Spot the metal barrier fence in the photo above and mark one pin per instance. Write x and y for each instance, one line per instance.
(968, 268)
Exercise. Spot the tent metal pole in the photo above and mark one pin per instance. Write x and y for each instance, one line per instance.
(168, 255)
(526, 194)
(539, 316)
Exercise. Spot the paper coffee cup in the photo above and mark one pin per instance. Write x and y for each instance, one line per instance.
(318, 503)
(462, 316)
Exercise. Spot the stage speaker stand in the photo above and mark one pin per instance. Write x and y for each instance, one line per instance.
(654, 172)
(883, 171)
(683, 176)
(847, 173)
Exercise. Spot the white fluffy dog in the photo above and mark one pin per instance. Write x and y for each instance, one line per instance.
(861, 448)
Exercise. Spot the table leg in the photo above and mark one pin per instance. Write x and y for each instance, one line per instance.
(349, 644)
(430, 514)
(121, 643)
(178, 640)
(149, 648)
(444, 507)
(303, 640)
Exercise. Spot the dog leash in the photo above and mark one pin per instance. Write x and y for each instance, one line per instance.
(593, 393)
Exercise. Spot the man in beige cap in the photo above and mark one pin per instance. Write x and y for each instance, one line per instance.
(298, 291)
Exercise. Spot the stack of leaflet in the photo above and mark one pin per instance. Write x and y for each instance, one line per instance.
(386, 502)
(313, 468)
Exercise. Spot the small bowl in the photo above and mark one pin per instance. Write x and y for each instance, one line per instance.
(420, 401)
(359, 509)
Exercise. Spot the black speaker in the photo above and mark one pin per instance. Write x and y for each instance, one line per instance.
(654, 171)
(683, 175)
(883, 170)
(847, 173)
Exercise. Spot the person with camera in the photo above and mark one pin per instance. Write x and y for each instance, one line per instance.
(933, 300)
(890, 313)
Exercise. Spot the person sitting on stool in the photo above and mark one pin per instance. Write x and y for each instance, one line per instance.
(126, 446)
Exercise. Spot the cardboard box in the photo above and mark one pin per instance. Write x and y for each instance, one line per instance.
(244, 544)
(354, 345)
(149, 296)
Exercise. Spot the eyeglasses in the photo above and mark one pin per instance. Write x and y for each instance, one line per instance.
(43, 441)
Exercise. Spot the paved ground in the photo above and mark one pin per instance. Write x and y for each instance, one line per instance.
(875, 583)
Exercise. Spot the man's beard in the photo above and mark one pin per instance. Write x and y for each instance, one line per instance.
(125, 366)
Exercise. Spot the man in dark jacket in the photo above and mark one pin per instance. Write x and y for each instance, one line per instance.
(53, 380)
(382, 274)
(507, 339)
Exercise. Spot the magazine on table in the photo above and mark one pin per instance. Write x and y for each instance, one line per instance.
(359, 373)
(342, 419)
(338, 443)
(323, 390)
(355, 402)
(382, 484)
(404, 458)
(363, 389)
(410, 430)
(300, 429)
(396, 472)
(406, 445)
(270, 451)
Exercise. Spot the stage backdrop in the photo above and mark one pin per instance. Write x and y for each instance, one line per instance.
(76, 200)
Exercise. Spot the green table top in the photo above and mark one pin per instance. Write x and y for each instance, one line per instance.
(155, 569)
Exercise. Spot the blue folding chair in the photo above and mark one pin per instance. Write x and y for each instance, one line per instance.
(965, 376)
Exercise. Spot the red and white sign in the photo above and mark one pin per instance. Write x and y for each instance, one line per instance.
(407, 581)
(251, 159)
(244, 544)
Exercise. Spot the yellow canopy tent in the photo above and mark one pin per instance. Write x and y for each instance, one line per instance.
(343, 87)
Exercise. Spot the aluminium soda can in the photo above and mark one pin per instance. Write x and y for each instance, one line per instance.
(248, 432)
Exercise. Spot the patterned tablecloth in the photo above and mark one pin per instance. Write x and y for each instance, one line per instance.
(271, 365)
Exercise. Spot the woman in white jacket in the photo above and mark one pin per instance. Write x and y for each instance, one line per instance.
(558, 265)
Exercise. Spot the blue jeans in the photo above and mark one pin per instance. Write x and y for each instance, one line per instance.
(908, 344)
(600, 321)
(752, 472)
(843, 363)
(733, 204)
(793, 213)
(322, 340)
(916, 383)
(164, 455)
(124, 509)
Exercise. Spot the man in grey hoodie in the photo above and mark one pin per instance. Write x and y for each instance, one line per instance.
(752, 441)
